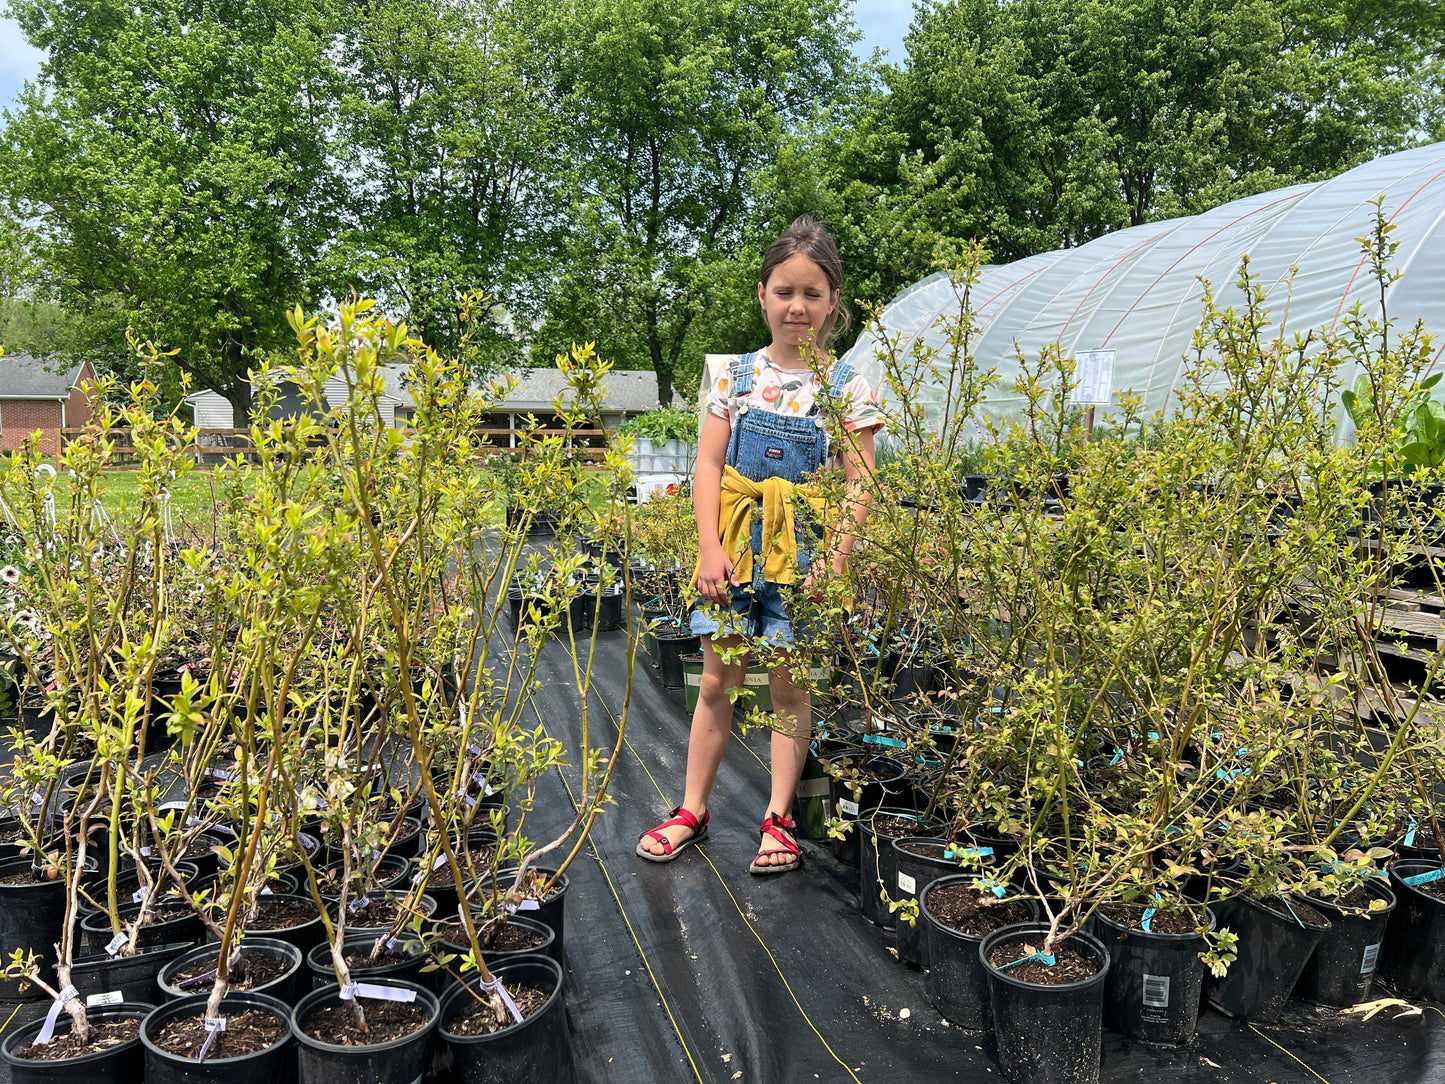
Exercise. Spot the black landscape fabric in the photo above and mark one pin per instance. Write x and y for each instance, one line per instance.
(695, 970)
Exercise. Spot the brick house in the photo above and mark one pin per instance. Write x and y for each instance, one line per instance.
(32, 397)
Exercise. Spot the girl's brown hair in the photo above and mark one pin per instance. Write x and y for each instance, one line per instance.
(805, 237)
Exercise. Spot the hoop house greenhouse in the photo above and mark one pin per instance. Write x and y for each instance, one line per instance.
(1138, 292)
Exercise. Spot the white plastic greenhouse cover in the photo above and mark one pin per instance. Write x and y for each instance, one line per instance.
(1139, 291)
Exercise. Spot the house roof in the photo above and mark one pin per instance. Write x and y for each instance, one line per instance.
(24, 376)
(629, 390)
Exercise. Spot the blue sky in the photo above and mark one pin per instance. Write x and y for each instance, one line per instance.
(883, 23)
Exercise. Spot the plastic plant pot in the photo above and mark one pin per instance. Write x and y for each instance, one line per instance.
(1343, 967)
(392, 1062)
(404, 964)
(547, 942)
(888, 778)
(537, 1049)
(691, 680)
(957, 982)
(551, 912)
(1155, 981)
(877, 869)
(914, 872)
(123, 1064)
(283, 988)
(1046, 1034)
(671, 649)
(30, 918)
(1274, 946)
(1413, 957)
(133, 976)
(275, 1064)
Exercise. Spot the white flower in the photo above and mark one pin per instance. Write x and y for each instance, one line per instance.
(10, 575)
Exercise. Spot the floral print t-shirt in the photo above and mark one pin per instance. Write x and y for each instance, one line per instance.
(793, 391)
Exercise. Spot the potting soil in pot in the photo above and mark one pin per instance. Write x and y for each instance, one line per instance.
(252, 970)
(963, 908)
(103, 1036)
(481, 1018)
(246, 1032)
(385, 1021)
(1069, 965)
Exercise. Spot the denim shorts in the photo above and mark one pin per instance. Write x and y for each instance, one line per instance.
(755, 611)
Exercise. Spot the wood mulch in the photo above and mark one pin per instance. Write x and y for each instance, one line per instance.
(964, 908)
(385, 1021)
(481, 1019)
(1069, 965)
(30, 876)
(246, 1032)
(103, 1036)
(380, 912)
(901, 827)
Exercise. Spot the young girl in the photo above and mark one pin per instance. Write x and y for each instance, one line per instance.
(762, 433)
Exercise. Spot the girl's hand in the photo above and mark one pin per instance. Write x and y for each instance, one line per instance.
(715, 576)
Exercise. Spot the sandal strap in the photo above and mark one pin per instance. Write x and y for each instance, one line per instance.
(686, 818)
(775, 826)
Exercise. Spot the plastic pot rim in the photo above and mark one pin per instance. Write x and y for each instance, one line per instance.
(511, 954)
(323, 950)
(1390, 898)
(237, 1001)
(136, 1010)
(460, 990)
(1013, 893)
(333, 990)
(274, 945)
(1174, 939)
(1283, 916)
(1028, 929)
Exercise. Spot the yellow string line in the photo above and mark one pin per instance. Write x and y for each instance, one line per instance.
(642, 952)
(1291, 1053)
(753, 930)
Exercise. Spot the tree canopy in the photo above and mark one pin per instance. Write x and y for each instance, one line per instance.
(611, 171)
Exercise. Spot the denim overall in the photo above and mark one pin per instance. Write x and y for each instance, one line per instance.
(764, 444)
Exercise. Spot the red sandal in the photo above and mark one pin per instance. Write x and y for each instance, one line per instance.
(775, 826)
(685, 817)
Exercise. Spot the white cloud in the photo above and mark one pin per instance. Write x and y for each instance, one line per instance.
(19, 61)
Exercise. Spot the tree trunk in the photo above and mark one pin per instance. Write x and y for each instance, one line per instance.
(664, 385)
(239, 396)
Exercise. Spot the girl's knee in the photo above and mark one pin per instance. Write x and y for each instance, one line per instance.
(714, 687)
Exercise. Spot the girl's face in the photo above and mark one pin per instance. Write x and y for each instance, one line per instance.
(796, 301)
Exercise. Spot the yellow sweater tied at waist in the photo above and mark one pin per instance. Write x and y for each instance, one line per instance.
(740, 499)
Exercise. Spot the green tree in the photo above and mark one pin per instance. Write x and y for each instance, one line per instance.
(672, 111)
(174, 158)
(452, 138)
(1036, 124)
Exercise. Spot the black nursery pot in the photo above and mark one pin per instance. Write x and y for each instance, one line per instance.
(282, 988)
(134, 976)
(1413, 957)
(184, 928)
(394, 1062)
(551, 912)
(304, 933)
(537, 1049)
(1155, 981)
(913, 874)
(890, 778)
(1047, 1034)
(123, 1064)
(877, 866)
(30, 917)
(1343, 967)
(1272, 951)
(671, 647)
(957, 980)
(404, 964)
(276, 1064)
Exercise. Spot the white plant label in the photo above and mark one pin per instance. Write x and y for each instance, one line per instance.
(139, 896)
(1372, 954)
(525, 905)
(907, 884)
(116, 944)
(376, 993)
(1156, 991)
(110, 997)
(1094, 377)
(849, 808)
